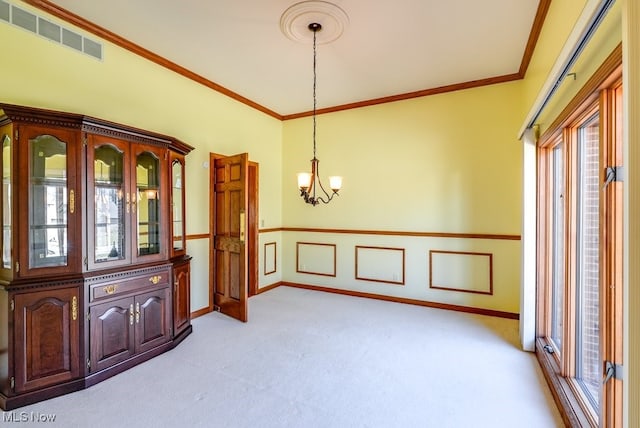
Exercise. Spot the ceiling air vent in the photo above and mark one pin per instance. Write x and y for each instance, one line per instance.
(4, 11)
(19, 17)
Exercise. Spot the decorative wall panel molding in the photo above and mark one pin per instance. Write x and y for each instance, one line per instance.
(466, 272)
(380, 264)
(270, 261)
(316, 258)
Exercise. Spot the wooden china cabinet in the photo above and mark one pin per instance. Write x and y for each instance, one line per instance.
(94, 276)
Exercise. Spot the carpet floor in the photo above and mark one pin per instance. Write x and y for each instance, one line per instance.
(314, 359)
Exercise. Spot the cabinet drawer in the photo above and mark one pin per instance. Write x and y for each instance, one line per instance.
(130, 284)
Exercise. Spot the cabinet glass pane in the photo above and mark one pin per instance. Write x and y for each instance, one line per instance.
(6, 202)
(176, 180)
(47, 202)
(148, 212)
(109, 209)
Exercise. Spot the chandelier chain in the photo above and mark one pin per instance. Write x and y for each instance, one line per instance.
(315, 31)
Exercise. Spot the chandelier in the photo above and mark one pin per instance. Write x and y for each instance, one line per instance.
(311, 188)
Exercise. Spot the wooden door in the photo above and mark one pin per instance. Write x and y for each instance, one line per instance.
(47, 338)
(230, 206)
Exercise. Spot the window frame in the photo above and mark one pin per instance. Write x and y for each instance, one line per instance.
(602, 96)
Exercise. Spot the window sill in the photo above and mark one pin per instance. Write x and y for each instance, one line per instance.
(573, 414)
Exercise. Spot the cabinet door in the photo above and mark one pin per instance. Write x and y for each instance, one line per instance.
(7, 205)
(47, 340)
(153, 314)
(49, 198)
(181, 298)
(177, 223)
(150, 205)
(112, 333)
(109, 202)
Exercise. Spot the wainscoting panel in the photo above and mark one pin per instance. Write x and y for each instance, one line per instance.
(380, 264)
(270, 260)
(316, 258)
(488, 279)
(461, 271)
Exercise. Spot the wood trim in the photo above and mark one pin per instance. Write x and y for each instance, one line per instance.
(198, 236)
(409, 95)
(435, 305)
(611, 251)
(401, 282)
(253, 196)
(212, 224)
(269, 287)
(536, 29)
(107, 35)
(111, 37)
(275, 258)
(274, 229)
(588, 93)
(201, 312)
(462, 290)
(316, 273)
(571, 412)
(403, 233)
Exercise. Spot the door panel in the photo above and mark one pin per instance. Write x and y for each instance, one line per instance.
(112, 338)
(152, 319)
(229, 228)
(47, 338)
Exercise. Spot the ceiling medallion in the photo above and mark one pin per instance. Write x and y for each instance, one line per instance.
(294, 22)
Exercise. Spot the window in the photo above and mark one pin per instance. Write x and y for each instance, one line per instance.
(579, 246)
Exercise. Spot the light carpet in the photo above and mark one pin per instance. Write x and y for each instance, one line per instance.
(314, 359)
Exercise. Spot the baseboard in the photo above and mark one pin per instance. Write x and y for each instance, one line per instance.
(268, 287)
(458, 308)
(200, 312)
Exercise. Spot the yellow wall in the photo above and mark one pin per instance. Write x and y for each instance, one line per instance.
(560, 20)
(558, 24)
(128, 89)
(445, 163)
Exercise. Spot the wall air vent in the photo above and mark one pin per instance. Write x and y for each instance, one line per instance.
(33, 23)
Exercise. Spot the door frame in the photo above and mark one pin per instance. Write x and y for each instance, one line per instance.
(252, 227)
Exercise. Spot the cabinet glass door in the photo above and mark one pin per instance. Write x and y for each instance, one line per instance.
(111, 201)
(177, 202)
(48, 227)
(6, 201)
(148, 203)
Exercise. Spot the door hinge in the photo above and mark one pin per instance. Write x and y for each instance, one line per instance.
(17, 267)
(85, 261)
(13, 383)
(612, 370)
(612, 173)
(88, 363)
(84, 139)
(17, 135)
(13, 305)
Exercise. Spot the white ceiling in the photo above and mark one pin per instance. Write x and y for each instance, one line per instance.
(388, 47)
